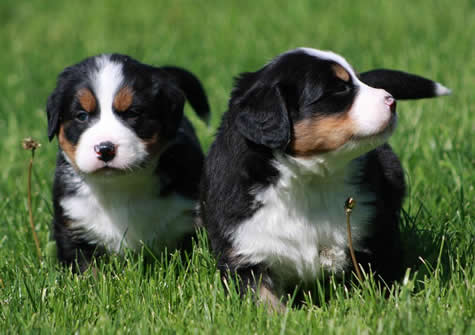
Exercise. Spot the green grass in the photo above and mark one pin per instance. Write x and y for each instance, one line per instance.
(216, 41)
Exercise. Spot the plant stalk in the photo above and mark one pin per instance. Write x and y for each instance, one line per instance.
(349, 205)
(29, 144)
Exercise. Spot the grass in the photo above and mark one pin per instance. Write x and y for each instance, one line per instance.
(217, 41)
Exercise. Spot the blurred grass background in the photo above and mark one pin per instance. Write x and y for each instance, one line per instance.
(217, 40)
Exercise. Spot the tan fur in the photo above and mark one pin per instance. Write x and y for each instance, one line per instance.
(313, 136)
(68, 148)
(340, 72)
(123, 99)
(87, 100)
(272, 302)
(153, 145)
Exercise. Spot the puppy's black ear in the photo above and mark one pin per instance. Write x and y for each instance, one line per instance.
(263, 118)
(170, 101)
(192, 88)
(403, 85)
(53, 112)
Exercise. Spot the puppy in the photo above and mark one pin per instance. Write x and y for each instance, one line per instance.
(301, 135)
(129, 162)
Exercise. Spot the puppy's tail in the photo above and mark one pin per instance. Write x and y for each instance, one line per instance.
(192, 88)
(403, 85)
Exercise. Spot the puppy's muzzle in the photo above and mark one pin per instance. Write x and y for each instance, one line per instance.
(105, 151)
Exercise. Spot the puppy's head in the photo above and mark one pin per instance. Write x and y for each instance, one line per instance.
(112, 113)
(308, 102)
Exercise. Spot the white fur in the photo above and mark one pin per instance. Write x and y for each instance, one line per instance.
(331, 56)
(441, 90)
(120, 208)
(130, 150)
(300, 229)
(124, 211)
(369, 112)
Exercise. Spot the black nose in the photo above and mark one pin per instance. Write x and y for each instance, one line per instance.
(105, 151)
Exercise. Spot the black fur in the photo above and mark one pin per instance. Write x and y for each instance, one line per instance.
(400, 84)
(263, 108)
(71, 247)
(157, 107)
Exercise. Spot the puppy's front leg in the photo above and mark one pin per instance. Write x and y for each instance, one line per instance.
(72, 250)
(261, 285)
(270, 299)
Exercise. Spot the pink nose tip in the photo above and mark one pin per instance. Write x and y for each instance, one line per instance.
(391, 102)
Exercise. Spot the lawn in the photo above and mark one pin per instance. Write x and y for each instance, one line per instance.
(217, 40)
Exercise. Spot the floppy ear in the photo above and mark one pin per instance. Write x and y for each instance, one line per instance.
(403, 85)
(170, 101)
(263, 118)
(192, 89)
(53, 111)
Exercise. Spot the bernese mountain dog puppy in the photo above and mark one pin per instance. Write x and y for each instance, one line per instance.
(129, 162)
(301, 135)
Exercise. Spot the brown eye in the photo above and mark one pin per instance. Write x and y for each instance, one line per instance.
(82, 116)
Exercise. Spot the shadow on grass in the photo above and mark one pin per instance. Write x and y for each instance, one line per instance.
(434, 250)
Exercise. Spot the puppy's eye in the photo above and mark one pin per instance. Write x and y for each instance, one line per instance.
(131, 114)
(82, 116)
(341, 88)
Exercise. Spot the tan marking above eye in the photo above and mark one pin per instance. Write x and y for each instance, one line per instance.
(318, 135)
(87, 100)
(340, 72)
(123, 99)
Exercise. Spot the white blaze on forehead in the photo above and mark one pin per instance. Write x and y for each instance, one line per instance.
(331, 56)
(106, 82)
(107, 79)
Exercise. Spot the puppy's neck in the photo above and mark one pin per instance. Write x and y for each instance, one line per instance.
(328, 167)
(319, 169)
(142, 181)
(136, 184)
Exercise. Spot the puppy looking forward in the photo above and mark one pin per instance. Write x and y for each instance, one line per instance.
(301, 135)
(129, 162)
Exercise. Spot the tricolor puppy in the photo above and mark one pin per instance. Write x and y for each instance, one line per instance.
(302, 135)
(129, 162)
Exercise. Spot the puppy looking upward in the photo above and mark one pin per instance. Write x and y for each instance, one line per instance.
(129, 162)
(301, 135)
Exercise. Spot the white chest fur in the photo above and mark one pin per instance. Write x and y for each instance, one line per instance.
(300, 228)
(126, 212)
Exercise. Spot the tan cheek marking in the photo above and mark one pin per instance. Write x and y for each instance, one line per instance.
(87, 100)
(321, 135)
(68, 148)
(123, 99)
(153, 145)
(341, 73)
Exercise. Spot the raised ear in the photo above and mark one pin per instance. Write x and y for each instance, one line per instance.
(263, 118)
(53, 112)
(192, 88)
(170, 101)
(403, 85)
